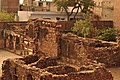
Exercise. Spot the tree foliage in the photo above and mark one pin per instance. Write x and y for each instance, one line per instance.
(79, 5)
(4, 16)
(83, 27)
(87, 5)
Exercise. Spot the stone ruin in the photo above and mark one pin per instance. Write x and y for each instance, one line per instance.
(105, 52)
(39, 67)
(62, 56)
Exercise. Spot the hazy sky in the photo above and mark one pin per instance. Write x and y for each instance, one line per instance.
(21, 1)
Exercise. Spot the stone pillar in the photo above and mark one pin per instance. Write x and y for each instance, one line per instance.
(21, 42)
(7, 43)
(14, 43)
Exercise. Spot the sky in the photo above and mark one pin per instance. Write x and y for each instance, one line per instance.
(21, 1)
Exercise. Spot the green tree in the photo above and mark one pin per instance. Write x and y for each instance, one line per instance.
(87, 5)
(79, 5)
(4, 16)
(83, 27)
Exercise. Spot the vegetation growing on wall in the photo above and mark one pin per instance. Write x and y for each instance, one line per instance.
(4, 16)
(107, 34)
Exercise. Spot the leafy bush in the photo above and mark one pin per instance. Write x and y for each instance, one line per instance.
(4, 16)
(83, 27)
(107, 34)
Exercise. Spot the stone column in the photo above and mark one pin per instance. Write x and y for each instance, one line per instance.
(14, 43)
(21, 42)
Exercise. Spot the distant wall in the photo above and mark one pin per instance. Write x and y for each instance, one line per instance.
(103, 24)
(8, 25)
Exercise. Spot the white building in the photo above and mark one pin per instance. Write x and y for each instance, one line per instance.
(104, 9)
(26, 15)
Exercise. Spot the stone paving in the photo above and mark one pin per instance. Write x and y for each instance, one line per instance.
(5, 55)
(115, 73)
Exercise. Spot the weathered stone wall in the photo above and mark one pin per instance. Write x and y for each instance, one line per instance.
(1, 43)
(73, 48)
(76, 48)
(15, 71)
(107, 55)
(10, 26)
(1, 40)
(22, 69)
(46, 34)
(48, 41)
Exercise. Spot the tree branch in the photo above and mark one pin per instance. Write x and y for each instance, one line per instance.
(76, 13)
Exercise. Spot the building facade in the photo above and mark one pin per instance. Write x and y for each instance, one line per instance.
(9, 5)
(104, 9)
(98, 8)
(26, 15)
(28, 2)
(42, 9)
(38, 5)
(117, 14)
(108, 9)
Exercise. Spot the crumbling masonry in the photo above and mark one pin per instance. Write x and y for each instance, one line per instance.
(60, 56)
